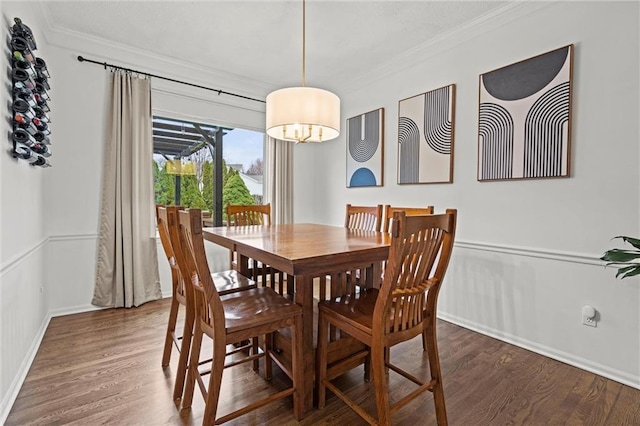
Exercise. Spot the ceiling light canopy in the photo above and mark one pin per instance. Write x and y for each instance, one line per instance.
(303, 114)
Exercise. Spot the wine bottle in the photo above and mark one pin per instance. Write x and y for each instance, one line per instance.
(24, 153)
(23, 77)
(22, 122)
(41, 114)
(41, 67)
(23, 137)
(22, 45)
(41, 81)
(22, 30)
(41, 103)
(41, 126)
(21, 106)
(41, 149)
(41, 161)
(26, 95)
(41, 89)
(26, 66)
(41, 137)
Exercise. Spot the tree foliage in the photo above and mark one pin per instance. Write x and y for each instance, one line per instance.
(235, 191)
(164, 185)
(190, 195)
(207, 185)
(197, 191)
(255, 168)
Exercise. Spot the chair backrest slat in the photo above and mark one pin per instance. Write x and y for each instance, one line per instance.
(365, 218)
(410, 211)
(243, 215)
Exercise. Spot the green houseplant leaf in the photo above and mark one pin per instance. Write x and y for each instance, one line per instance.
(626, 260)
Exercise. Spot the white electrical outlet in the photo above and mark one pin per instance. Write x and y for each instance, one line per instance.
(589, 315)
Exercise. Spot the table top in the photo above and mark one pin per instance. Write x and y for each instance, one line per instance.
(303, 247)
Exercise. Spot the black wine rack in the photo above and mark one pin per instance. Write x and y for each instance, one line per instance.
(30, 106)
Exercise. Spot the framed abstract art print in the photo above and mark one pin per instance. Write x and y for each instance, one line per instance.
(365, 149)
(425, 137)
(524, 123)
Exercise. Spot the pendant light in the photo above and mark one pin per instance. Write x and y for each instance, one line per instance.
(303, 114)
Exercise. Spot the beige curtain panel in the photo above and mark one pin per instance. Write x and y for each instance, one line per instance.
(127, 268)
(278, 180)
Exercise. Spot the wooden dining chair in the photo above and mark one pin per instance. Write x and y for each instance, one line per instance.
(235, 318)
(226, 282)
(410, 211)
(365, 218)
(246, 215)
(401, 309)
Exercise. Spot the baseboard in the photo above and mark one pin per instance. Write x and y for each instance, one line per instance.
(576, 361)
(86, 308)
(18, 380)
(70, 310)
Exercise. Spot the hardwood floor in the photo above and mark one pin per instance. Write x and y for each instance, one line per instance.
(104, 367)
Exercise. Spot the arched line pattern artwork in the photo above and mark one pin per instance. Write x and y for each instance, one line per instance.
(524, 122)
(365, 149)
(425, 137)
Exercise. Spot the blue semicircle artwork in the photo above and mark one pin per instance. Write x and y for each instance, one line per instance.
(363, 177)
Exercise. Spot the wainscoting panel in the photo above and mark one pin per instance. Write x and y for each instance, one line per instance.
(533, 298)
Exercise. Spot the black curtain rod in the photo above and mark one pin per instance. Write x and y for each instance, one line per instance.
(218, 91)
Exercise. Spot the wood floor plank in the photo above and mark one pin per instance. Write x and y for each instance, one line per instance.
(103, 367)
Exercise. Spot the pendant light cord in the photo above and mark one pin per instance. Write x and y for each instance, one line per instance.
(303, 43)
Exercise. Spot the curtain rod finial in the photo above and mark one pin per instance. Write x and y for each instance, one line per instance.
(80, 58)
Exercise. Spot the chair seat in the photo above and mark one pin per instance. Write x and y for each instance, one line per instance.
(253, 307)
(230, 281)
(356, 309)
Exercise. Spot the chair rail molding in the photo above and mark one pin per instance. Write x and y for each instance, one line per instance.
(540, 253)
(17, 259)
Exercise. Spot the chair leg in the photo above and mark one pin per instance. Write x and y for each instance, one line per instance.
(424, 340)
(297, 365)
(321, 359)
(171, 329)
(381, 385)
(183, 361)
(193, 372)
(215, 380)
(434, 366)
(367, 368)
(254, 351)
(268, 364)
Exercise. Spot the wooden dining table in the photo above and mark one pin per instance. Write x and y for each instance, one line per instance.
(307, 251)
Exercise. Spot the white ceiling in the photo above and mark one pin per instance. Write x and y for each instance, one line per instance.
(262, 40)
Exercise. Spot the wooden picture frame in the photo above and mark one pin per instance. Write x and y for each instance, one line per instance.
(365, 149)
(524, 118)
(426, 137)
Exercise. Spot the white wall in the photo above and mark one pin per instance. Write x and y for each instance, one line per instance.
(23, 217)
(526, 258)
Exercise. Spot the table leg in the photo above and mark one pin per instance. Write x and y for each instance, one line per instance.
(304, 298)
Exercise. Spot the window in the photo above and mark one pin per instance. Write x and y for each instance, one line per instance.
(185, 171)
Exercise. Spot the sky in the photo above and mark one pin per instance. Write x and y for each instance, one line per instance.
(242, 146)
